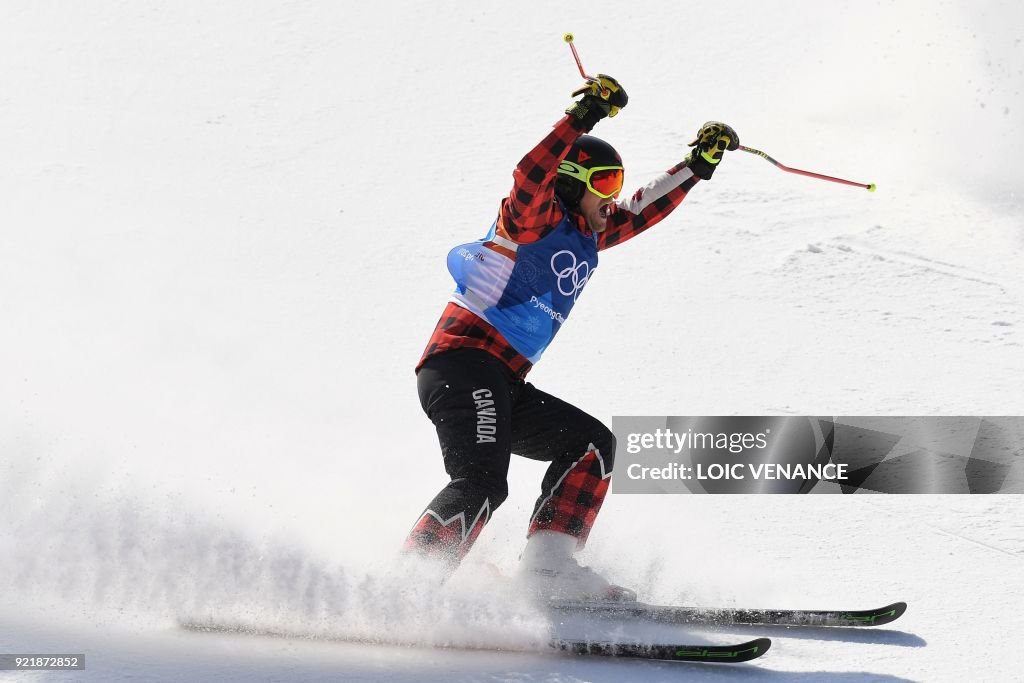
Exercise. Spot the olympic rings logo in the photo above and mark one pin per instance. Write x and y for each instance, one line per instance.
(572, 275)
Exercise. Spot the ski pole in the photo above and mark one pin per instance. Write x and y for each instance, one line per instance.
(568, 37)
(870, 187)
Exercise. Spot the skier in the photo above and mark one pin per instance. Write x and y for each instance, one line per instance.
(514, 290)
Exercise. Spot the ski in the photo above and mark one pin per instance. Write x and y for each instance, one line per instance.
(733, 654)
(711, 654)
(732, 616)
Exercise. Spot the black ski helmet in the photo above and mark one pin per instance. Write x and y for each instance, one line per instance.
(588, 152)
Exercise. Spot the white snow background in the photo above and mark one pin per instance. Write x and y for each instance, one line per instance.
(222, 238)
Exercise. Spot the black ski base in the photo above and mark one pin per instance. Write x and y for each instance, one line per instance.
(732, 616)
(708, 654)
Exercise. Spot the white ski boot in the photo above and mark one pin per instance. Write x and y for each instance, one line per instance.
(550, 573)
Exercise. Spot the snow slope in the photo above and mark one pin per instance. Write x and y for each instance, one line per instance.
(222, 234)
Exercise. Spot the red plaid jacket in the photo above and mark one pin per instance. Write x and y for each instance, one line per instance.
(530, 212)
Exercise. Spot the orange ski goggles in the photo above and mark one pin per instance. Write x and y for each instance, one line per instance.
(604, 181)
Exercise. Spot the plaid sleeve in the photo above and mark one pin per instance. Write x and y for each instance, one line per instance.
(648, 205)
(530, 212)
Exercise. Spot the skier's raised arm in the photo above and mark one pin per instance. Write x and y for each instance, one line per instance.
(530, 212)
(656, 200)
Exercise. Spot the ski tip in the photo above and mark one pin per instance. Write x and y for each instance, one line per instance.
(896, 611)
(722, 654)
(882, 615)
(752, 649)
(761, 643)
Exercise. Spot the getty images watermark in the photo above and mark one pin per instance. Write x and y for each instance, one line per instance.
(785, 454)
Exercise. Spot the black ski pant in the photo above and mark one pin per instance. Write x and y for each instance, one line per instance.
(483, 414)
